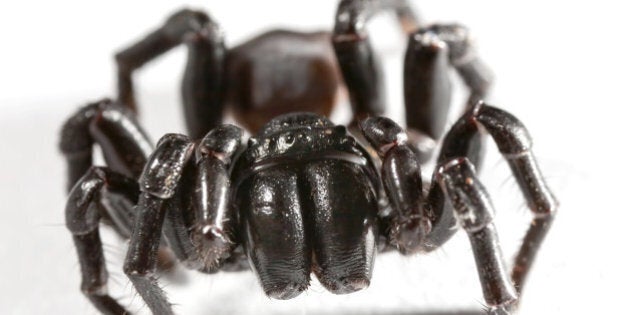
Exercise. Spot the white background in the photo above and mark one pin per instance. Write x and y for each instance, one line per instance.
(560, 66)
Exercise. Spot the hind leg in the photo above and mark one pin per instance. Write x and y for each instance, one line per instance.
(360, 66)
(202, 87)
(431, 53)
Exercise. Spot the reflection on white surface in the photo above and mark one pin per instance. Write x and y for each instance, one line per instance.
(565, 86)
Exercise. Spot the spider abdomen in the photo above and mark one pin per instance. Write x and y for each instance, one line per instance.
(269, 76)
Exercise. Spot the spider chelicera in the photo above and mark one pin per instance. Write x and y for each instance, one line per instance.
(303, 195)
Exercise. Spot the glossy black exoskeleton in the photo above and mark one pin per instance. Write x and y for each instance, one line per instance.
(303, 195)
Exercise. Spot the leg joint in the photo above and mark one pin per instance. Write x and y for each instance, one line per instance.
(82, 209)
(133, 270)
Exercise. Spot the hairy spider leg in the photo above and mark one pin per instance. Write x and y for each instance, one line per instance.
(514, 142)
(473, 209)
(100, 193)
(158, 183)
(200, 224)
(423, 223)
(203, 240)
(124, 144)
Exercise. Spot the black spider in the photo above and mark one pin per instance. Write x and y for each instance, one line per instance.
(303, 195)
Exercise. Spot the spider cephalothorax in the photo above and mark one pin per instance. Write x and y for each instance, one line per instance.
(303, 194)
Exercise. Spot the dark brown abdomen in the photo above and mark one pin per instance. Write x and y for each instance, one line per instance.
(280, 72)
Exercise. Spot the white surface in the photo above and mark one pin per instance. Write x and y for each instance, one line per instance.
(560, 67)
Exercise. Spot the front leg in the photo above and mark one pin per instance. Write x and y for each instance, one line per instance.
(208, 241)
(475, 213)
(158, 183)
(402, 180)
(514, 142)
(471, 202)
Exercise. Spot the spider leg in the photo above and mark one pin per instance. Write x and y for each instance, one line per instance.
(111, 193)
(474, 213)
(418, 223)
(158, 183)
(463, 57)
(125, 148)
(427, 89)
(431, 51)
(422, 224)
(515, 144)
(206, 242)
(114, 128)
(402, 180)
(107, 194)
(360, 66)
(99, 192)
(202, 86)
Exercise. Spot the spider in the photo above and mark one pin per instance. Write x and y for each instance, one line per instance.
(303, 195)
